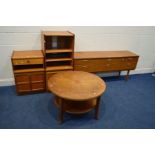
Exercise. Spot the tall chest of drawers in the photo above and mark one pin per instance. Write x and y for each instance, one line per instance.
(102, 61)
(28, 69)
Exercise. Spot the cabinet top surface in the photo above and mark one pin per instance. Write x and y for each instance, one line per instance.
(57, 33)
(27, 54)
(76, 85)
(103, 54)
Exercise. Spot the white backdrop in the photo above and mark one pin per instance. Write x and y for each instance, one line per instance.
(140, 40)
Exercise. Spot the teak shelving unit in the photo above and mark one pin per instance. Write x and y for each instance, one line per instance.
(58, 49)
(28, 68)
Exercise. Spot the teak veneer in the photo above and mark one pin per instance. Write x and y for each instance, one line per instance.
(58, 49)
(105, 61)
(76, 92)
(58, 55)
(28, 68)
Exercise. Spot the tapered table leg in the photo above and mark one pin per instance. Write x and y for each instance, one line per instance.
(127, 76)
(119, 74)
(97, 108)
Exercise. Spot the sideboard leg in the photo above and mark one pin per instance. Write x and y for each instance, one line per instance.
(119, 74)
(61, 112)
(97, 108)
(127, 76)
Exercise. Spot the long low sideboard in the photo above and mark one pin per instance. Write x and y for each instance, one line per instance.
(105, 61)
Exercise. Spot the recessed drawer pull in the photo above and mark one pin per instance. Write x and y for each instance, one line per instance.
(85, 60)
(28, 61)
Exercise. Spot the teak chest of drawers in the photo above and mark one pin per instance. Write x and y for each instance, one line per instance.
(28, 68)
(102, 61)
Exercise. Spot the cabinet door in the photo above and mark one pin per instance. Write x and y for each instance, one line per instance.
(22, 78)
(38, 77)
(38, 86)
(21, 88)
(37, 81)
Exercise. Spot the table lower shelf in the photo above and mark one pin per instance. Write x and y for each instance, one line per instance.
(76, 107)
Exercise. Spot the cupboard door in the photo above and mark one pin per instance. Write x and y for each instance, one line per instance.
(21, 79)
(23, 88)
(37, 86)
(38, 77)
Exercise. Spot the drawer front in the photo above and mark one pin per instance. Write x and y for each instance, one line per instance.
(23, 88)
(128, 63)
(27, 61)
(39, 77)
(38, 86)
(92, 65)
(21, 79)
(107, 64)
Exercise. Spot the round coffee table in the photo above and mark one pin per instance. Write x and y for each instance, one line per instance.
(76, 92)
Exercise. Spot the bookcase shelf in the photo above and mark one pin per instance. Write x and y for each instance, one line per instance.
(60, 59)
(29, 70)
(59, 68)
(58, 48)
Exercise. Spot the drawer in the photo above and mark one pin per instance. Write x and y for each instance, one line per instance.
(22, 79)
(89, 61)
(39, 77)
(106, 64)
(105, 61)
(92, 67)
(27, 61)
(23, 88)
(38, 86)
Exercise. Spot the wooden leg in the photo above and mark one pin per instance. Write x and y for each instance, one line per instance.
(127, 76)
(97, 108)
(119, 74)
(61, 112)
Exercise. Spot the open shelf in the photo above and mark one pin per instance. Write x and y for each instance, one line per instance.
(58, 55)
(57, 68)
(58, 50)
(22, 67)
(58, 63)
(58, 59)
(28, 70)
(58, 42)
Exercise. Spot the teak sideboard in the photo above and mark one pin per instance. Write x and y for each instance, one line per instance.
(105, 61)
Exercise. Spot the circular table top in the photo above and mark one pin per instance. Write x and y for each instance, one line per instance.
(76, 85)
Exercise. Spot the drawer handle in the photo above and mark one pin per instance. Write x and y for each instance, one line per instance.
(129, 58)
(28, 61)
(109, 59)
(84, 66)
(84, 60)
(123, 59)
